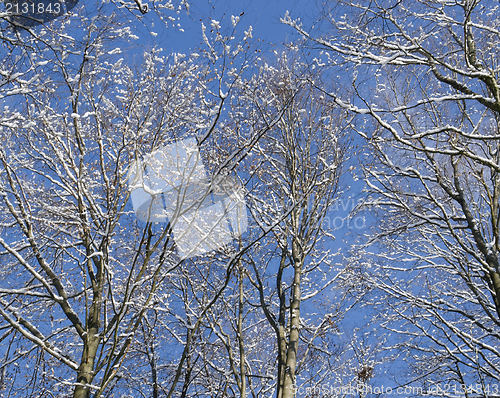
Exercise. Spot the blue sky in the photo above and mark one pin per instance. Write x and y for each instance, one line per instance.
(262, 15)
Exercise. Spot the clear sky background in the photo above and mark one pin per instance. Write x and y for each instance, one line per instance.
(262, 15)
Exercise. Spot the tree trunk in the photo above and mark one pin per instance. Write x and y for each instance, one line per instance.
(91, 342)
(86, 369)
(293, 341)
(243, 389)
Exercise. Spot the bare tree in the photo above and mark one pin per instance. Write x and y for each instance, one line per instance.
(425, 74)
(273, 328)
(79, 272)
(295, 172)
(94, 299)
